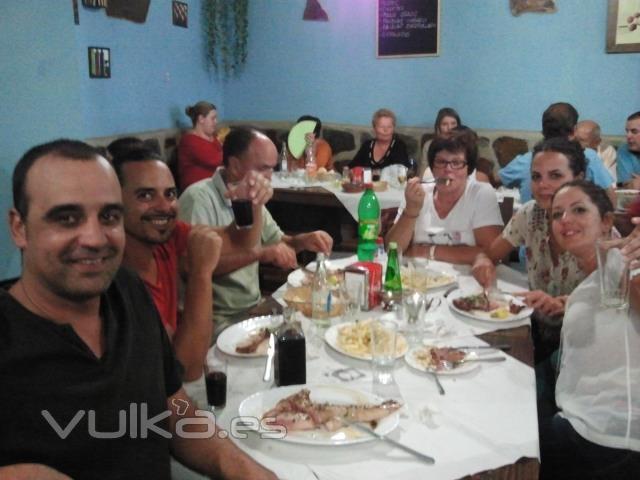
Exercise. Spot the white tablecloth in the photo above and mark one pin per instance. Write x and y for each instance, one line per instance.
(487, 418)
(390, 198)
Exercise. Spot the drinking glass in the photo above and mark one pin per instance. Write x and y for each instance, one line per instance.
(215, 379)
(614, 274)
(383, 351)
(241, 204)
(414, 306)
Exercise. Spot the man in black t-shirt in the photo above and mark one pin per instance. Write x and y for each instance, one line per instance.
(89, 385)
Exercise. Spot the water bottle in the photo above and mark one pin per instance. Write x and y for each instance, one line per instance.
(310, 165)
(283, 158)
(368, 224)
(321, 296)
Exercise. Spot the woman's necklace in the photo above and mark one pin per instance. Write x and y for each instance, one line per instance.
(386, 153)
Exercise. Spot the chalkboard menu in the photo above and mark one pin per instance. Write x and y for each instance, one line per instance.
(408, 27)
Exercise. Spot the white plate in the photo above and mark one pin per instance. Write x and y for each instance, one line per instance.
(331, 337)
(231, 336)
(259, 403)
(299, 278)
(414, 363)
(486, 316)
(445, 279)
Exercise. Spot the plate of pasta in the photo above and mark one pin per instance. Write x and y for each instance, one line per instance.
(427, 279)
(354, 340)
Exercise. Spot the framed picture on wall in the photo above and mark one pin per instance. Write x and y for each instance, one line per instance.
(99, 62)
(180, 14)
(623, 26)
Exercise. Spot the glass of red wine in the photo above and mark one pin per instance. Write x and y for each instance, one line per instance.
(215, 379)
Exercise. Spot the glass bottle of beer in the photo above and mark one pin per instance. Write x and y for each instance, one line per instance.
(392, 277)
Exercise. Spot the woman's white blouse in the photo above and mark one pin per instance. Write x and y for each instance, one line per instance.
(478, 207)
(598, 389)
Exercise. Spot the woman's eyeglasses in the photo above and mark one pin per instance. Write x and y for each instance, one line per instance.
(454, 164)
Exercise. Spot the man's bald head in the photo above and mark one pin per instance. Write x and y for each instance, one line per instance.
(588, 134)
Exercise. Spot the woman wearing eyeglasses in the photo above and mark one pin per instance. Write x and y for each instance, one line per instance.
(452, 219)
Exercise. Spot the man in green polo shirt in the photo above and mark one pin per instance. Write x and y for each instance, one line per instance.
(205, 202)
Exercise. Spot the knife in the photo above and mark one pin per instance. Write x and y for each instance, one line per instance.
(498, 346)
(415, 453)
(270, 352)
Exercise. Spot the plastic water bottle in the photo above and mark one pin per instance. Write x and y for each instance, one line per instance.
(368, 223)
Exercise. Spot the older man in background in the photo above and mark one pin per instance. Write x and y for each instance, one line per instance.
(558, 120)
(588, 134)
(629, 154)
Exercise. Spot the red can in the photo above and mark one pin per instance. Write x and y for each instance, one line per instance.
(357, 175)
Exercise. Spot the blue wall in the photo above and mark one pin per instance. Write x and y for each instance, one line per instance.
(46, 92)
(497, 70)
(157, 70)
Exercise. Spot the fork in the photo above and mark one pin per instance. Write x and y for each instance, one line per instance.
(449, 365)
(438, 384)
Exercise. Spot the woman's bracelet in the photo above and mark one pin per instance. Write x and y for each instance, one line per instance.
(405, 214)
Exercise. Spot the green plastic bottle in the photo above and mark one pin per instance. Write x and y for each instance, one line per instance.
(393, 278)
(368, 224)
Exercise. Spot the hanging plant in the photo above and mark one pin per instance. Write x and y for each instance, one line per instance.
(226, 29)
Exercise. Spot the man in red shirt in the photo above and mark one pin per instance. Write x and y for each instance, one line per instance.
(158, 248)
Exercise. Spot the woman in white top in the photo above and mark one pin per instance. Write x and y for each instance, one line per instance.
(451, 219)
(596, 433)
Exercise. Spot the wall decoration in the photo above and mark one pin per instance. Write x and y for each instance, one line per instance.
(99, 62)
(532, 6)
(133, 10)
(180, 14)
(95, 3)
(623, 26)
(408, 28)
(76, 14)
(226, 29)
(314, 11)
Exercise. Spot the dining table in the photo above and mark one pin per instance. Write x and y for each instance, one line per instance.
(483, 427)
(300, 205)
